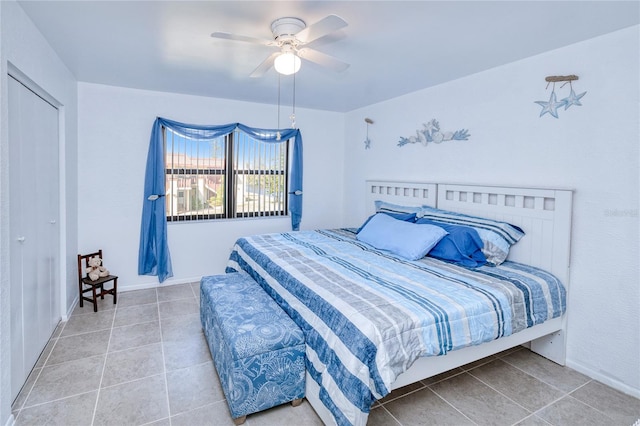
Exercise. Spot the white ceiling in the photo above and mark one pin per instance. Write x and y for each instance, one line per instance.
(394, 47)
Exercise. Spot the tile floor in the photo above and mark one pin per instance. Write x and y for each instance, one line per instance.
(145, 361)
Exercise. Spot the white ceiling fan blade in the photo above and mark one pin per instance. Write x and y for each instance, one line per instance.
(323, 59)
(247, 39)
(321, 28)
(264, 66)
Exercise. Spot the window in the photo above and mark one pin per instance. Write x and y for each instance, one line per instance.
(231, 176)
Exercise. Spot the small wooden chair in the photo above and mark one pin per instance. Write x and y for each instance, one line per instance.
(86, 284)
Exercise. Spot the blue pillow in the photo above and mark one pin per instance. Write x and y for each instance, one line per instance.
(462, 245)
(497, 236)
(406, 217)
(405, 239)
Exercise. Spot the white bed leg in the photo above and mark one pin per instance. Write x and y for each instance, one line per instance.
(551, 347)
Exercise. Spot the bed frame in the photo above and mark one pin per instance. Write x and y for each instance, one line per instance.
(545, 216)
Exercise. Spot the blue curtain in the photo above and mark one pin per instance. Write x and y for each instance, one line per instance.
(153, 256)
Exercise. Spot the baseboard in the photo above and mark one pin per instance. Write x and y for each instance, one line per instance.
(595, 375)
(67, 315)
(10, 421)
(158, 285)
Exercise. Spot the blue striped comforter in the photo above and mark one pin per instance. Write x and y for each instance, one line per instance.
(367, 315)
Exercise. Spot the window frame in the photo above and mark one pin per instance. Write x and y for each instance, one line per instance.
(230, 174)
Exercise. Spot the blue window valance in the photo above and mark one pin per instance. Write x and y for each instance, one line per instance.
(153, 256)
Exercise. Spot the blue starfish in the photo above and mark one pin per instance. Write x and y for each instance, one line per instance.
(572, 99)
(550, 107)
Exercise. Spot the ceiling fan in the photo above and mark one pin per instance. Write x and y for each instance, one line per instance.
(290, 35)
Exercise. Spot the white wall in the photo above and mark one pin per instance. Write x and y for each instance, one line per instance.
(114, 130)
(29, 54)
(591, 148)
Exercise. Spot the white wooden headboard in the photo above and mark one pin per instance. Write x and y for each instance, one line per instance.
(544, 214)
(545, 217)
(402, 193)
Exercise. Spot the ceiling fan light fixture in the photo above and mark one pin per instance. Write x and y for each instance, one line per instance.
(287, 63)
(293, 36)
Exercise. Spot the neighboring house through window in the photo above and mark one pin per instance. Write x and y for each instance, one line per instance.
(232, 176)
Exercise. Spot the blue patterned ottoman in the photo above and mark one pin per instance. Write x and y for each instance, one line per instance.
(257, 349)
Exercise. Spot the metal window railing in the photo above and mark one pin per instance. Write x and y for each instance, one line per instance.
(233, 176)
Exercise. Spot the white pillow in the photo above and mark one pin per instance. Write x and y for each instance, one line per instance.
(409, 240)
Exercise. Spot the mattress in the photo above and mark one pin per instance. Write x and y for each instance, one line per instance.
(367, 314)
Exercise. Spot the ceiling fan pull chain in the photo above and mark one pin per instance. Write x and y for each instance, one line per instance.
(293, 114)
(278, 126)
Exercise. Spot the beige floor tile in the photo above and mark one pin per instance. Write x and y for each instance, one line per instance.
(105, 304)
(180, 327)
(571, 412)
(67, 379)
(26, 388)
(132, 364)
(193, 387)
(174, 308)
(417, 407)
(137, 314)
(79, 346)
(85, 323)
(623, 409)
(195, 287)
(381, 417)
(175, 292)
(58, 330)
(46, 352)
(549, 372)
(532, 420)
(478, 401)
(185, 353)
(286, 415)
(162, 422)
(524, 389)
(137, 388)
(215, 414)
(74, 410)
(132, 336)
(137, 297)
(133, 403)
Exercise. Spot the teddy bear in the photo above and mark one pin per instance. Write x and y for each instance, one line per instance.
(95, 269)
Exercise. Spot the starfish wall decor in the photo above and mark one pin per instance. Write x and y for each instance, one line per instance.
(551, 107)
(367, 141)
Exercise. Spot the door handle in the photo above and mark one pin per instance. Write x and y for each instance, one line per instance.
(21, 239)
(52, 221)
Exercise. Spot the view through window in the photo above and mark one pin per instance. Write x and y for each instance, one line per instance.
(231, 176)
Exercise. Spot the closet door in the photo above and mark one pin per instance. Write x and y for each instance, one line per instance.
(46, 203)
(33, 208)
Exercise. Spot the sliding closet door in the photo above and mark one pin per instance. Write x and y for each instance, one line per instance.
(34, 232)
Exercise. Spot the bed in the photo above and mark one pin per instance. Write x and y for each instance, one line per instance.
(374, 321)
